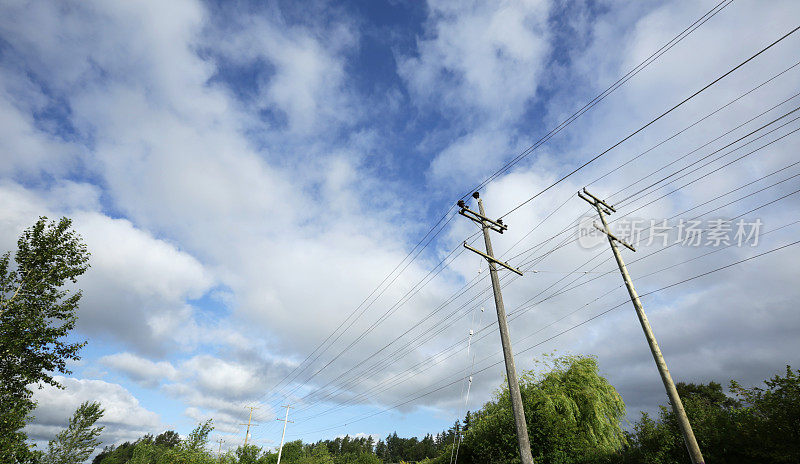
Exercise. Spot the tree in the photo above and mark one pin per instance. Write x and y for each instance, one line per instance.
(170, 439)
(757, 425)
(247, 454)
(36, 314)
(320, 455)
(773, 422)
(198, 438)
(572, 414)
(75, 443)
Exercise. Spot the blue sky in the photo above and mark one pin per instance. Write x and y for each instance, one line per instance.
(245, 174)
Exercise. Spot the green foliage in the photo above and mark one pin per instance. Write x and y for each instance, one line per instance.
(36, 314)
(572, 413)
(774, 417)
(79, 439)
(167, 448)
(170, 439)
(198, 438)
(757, 425)
(248, 454)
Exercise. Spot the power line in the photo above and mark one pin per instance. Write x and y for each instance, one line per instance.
(608, 91)
(707, 86)
(569, 197)
(517, 312)
(568, 330)
(523, 307)
(659, 117)
(708, 15)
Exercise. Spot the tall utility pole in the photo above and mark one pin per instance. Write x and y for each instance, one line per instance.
(219, 453)
(285, 421)
(249, 421)
(677, 406)
(511, 371)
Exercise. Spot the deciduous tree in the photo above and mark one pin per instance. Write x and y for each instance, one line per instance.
(77, 442)
(37, 311)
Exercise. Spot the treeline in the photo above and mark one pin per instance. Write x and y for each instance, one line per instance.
(753, 425)
(574, 417)
(168, 448)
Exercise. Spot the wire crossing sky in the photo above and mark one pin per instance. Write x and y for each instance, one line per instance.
(268, 192)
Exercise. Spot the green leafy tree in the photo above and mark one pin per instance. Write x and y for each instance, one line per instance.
(37, 312)
(197, 441)
(758, 424)
(572, 413)
(77, 442)
(170, 439)
(772, 426)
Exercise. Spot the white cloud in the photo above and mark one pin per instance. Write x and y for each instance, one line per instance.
(192, 188)
(124, 418)
(137, 285)
(220, 377)
(480, 58)
(141, 370)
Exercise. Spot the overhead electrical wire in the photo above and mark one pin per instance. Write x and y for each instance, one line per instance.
(653, 121)
(631, 135)
(708, 212)
(738, 189)
(608, 91)
(622, 80)
(569, 329)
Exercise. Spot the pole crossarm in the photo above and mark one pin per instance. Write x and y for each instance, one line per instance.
(603, 207)
(492, 259)
(496, 226)
(614, 237)
(597, 200)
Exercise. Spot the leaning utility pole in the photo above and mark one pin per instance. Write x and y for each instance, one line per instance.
(511, 372)
(285, 421)
(677, 406)
(249, 420)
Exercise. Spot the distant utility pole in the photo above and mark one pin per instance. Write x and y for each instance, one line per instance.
(219, 453)
(285, 421)
(511, 371)
(677, 406)
(249, 421)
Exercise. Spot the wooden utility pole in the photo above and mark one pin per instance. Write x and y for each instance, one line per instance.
(219, 453)
(677, 406)
(249, 421)
(285, 421)
(511, 371)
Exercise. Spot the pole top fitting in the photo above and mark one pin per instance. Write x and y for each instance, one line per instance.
(460, 204)
(475, 195)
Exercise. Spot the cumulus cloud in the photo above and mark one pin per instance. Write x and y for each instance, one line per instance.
(141, 370)
(480, 57)
(124, 418)
(267, 206)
